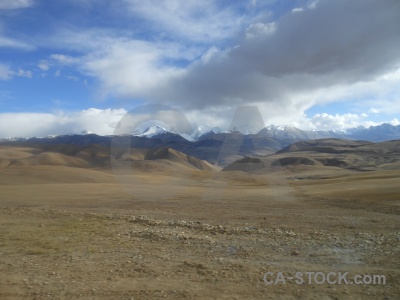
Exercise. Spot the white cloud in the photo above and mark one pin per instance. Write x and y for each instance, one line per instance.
(328, 122)
(332, 51)
(15, 4)
(374, 110)
(103, 121)
(305, 53)
(5, 72)
(379, 95)
(132, 68)
(64, 59)
(124, 67)
(210, 54)
(297, 10)
(193, 20)
(73, 78)
(44, 65)
(24, 73)
(257, 29)
(6, 42)
(313, 4)
(300, 60)
(211, 117)
(42, 124)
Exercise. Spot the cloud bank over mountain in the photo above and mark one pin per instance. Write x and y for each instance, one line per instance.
(306, 63)
(317, 53)
(330, 51)
(334, 45)
(103, 122)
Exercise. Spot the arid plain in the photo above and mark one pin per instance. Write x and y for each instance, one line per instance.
(73, 225)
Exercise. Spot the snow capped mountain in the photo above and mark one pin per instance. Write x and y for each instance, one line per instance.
(383, 132)
(207, 146)
(157, 130)
(280, 132)
(203, 131)
(86, 132)
(286, 132)
(245, 129)
(12, 139)
(151, 131)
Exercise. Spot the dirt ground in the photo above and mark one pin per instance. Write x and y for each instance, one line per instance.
(70, 233)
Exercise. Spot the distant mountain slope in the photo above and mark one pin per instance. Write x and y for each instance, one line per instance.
(220, 148)
(384, 132)
(208, 149)
(60, 155)
(345, 154)
(294, 134)
(166, 153)
(324, 146)
(152, 131)
(93, 156)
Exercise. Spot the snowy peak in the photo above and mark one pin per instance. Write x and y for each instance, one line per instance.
(283, 132)
(245, 129)
(383, 132)
(12, 139)
(380, 133)
(86, 132)
(152, 131)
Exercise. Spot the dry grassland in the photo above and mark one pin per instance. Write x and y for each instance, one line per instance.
(175, 233)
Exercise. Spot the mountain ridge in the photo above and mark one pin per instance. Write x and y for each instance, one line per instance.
(221, 148)
(382, 132)
(326, 153)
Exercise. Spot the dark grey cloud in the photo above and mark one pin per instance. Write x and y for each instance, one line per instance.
(336, 42)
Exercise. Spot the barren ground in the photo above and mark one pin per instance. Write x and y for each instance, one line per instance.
(70, 233)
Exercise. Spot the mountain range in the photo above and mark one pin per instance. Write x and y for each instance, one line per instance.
(218, 148)
(325, 153)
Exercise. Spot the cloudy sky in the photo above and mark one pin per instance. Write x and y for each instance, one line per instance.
(73, 65)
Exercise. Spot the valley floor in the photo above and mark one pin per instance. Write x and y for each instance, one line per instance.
(69, 233)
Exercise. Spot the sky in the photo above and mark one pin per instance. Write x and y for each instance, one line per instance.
(80, 65)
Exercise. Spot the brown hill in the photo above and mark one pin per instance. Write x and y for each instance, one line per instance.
(49, 158)
(325, 146)
(96, 156)
(59, 155)
(317, 154)
(166, 153)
